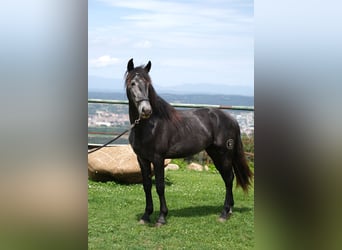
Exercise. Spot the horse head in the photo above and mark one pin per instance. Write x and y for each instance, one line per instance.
(138, 83)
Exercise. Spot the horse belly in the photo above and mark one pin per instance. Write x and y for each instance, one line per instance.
(186, 147)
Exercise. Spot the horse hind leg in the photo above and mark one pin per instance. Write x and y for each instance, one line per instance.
(223, 163)
(229, 200)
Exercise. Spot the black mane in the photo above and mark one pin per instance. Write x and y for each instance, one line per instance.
(161, 108)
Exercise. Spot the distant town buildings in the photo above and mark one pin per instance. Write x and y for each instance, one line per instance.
(246, 122)
(107, 119)
(103, 118)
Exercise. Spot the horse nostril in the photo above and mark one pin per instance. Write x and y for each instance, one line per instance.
(147, 111)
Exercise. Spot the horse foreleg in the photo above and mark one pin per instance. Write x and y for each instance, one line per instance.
(160, 185)
(145, 167)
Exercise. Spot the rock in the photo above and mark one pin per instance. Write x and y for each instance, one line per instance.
(167, 162)
(114, 163)
(195, 166)
(117, 163)
(172, 166)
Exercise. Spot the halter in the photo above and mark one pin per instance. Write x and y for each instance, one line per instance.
(143, 99)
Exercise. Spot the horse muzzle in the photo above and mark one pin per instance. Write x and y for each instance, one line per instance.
(145, 115)
(145, 110)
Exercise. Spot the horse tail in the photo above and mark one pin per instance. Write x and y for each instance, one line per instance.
(241, 169)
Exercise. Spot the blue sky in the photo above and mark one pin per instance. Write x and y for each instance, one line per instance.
(197, 42)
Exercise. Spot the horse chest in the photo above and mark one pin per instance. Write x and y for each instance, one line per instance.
(143, 146)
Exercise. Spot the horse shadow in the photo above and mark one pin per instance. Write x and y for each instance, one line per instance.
(199, 211)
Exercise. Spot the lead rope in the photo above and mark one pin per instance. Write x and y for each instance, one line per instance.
(136, 122)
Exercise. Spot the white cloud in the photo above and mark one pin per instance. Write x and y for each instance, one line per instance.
(143, 44)
(147, 5)
(189, 15)
(103, 61)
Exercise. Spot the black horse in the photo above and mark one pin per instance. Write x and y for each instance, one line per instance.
(163, 132)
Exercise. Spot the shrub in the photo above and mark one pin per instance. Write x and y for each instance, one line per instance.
(204, 159)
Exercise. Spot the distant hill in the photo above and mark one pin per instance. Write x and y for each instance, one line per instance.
(236, 100)
(211, 89)
(99, 84)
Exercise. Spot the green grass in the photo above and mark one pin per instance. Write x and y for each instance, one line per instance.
(194, 199)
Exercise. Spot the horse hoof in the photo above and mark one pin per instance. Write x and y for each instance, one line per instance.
(143, 222)
(225, 218)
(159, 224)
(221, 219)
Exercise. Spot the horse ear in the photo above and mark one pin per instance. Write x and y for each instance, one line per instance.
(148, 66)
(130, 65)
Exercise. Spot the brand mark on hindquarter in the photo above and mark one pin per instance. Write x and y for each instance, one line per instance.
(230, 144)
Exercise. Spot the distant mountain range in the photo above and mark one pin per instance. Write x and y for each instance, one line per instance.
(98, 84)
(219, 99)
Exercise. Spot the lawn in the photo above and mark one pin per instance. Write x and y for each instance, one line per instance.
(194, 199)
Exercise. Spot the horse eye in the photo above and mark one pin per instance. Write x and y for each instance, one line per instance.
(132, 84)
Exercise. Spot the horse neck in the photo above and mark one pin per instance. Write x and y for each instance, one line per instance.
(164, 110)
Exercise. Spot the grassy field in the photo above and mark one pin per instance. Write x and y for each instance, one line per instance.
(194, 199)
